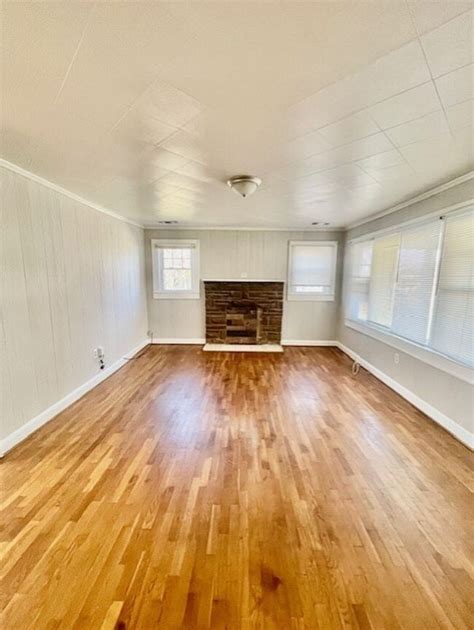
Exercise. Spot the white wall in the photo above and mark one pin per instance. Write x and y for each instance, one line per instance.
(225, 255)
(450, 396)
(72, 278)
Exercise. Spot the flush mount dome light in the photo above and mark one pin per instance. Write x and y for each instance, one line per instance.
(244, 185)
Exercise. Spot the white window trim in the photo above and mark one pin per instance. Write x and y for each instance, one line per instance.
(159, 294)
(293, 296)
(423, 353)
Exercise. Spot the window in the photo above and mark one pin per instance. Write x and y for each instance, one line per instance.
(312, 270)
(417, 283)
(358, 267)
(453, 319)
(175, 269)
(385, 254)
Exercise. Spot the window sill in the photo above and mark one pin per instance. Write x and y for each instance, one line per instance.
(309, 297)
(431, 357)
(176, 296)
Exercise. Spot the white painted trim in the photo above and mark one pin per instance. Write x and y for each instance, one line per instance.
(41, 180)
(284, 342)
(456, 430)
(422, 353)
(178, 228)
(178, 295)
(242, 347)
(242, 280)
(310, 297)
(48, 414)
(196, 341)
(309, 342)
(63, 191)
(455, 209)
(421, 197)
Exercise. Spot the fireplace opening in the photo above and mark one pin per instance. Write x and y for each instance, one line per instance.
(243, 323)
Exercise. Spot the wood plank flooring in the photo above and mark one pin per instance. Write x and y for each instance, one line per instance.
(212, 490)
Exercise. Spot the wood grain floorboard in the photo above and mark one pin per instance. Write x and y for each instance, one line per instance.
(211, 490)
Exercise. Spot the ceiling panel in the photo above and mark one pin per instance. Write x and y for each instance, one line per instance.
(351, 128)
(456, 87)
(428, 15)
(449, 46)
(427, 126)
(460, 115)
(406, 106)
(343, 108)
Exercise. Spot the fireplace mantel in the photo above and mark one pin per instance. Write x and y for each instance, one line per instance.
(241, 280)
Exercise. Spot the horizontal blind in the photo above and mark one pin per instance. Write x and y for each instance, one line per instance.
(382, 281)
(313, 266)
(415, 283)
(430, 298)
(453, 332)
(358, 271)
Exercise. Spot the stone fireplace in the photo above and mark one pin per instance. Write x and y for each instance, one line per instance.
(243, 312)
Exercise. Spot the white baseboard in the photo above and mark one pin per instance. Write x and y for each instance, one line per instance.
(202, 341)
(308, 342)
(197, 341)
(48, 414)
(456, 430)
(459, 432)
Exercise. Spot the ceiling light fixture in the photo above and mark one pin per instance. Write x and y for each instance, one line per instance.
(244, 185)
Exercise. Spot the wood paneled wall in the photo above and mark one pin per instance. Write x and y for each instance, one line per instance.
(72, 279)
(226, 255)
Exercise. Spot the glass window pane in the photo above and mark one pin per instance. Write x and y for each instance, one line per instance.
(177, 280)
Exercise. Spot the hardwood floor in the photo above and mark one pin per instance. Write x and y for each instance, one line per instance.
(209, 490)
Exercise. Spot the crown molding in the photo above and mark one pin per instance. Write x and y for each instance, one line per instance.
(156, 226)
(409, 202)
(63, 191)
(188, 228)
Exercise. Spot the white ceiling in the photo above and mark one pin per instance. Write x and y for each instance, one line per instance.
(342, 108)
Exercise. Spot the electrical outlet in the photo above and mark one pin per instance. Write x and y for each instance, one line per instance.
(149, 333)
(95, 353)
(98, 353)
(396, 358)
(244, 274)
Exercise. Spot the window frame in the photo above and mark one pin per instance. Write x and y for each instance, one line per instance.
(294, 296)
(424, 353)
(159, 293)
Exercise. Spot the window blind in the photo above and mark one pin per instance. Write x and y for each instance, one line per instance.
(382, 281)
(312, 268)
(453, 327)
(417, 283)
(358, 280)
